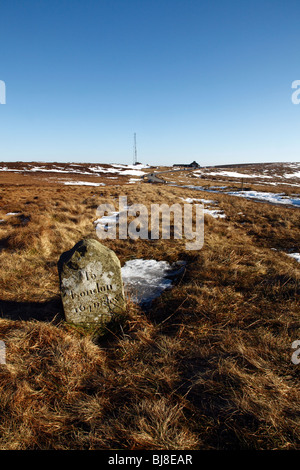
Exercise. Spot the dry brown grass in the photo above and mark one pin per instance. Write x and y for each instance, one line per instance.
(207, 367)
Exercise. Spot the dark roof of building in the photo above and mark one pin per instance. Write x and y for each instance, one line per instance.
(187, 164)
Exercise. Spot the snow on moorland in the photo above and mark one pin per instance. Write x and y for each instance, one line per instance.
(217, 214)
(296, 256)
(83, 183)
(145, 280)
(274, 198)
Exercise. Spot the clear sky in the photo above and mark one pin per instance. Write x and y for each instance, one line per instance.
(195, 80)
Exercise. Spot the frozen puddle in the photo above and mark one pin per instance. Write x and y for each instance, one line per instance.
(145, 279)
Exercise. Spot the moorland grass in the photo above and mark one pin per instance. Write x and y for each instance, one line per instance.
(208, 366)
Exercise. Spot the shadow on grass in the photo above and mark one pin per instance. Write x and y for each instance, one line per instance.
(49, 311)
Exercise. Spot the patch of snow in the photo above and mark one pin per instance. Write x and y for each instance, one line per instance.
(292, 175)
(139, 166)
(275, 198)
(214, 213)
(83, 183)
(48, 170)
(127, 170)
(132, 172)
(9, 169)
(109, 220)
(234, 174)
(100, 169)
(217, 187)
(217, 214)
(279, 183)
(265, 176)
(13, 213)
(145, 280)
(133, 180)
(190, 200)
(296, 256)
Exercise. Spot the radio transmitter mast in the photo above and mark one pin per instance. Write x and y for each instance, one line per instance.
(134, 151)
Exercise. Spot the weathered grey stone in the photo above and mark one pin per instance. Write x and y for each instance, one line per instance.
(90, 283)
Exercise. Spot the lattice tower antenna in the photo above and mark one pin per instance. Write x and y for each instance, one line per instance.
(134, 151)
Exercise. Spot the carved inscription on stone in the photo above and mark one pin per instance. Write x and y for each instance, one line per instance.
(91, 283)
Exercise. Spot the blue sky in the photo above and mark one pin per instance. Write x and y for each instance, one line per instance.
(195, 80)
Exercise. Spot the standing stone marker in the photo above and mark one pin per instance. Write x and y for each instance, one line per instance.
(91, 283)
